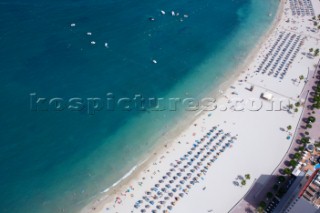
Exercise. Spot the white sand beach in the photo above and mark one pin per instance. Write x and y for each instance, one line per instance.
(198, 170)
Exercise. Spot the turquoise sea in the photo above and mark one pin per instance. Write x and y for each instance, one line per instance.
(53, 160)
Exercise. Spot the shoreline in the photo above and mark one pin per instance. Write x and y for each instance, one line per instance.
(224, 84)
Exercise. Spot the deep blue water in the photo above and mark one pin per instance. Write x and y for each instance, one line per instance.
(51, 160)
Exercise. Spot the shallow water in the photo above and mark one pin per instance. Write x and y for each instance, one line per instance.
(53, 160)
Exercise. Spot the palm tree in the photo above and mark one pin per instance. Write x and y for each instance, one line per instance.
(287, 171)
(297, 156)
(304, 140)
(311, 50)
(269, 195)
(247, 176)
(260, 209)
(293, 163)
(289, 127)
(311, 119)
(281, 179)
(262, 204)
(243, 182)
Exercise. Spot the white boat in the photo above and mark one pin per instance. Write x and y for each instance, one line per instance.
(173, 13)
(163, 12)
(93, 42)
(73, 25)
(106, 45)
(154, 61)
(89, 33)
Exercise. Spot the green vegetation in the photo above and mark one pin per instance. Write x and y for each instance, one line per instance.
(304, 140)
(289, 127)
(293, 163)
(269, 195)
(311, 119)
(275, 187)
(301, 148)
(262, 204)
(247, 176)
(297, 156)
(287, 171)
(281, 179)
(243, 182)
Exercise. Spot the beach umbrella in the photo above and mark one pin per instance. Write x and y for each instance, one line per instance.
(192, 170)
(171, 181)
(174, 189)
(163, 202)
(188, 186)
(186, 166)
(148, 193)
(160, 181)
(179, 174)
(170, 194)
(168, 185)
(178, 186)
(181, 194)
(164, 177)
(166, 198)
(154, 211)
(169, 207)
(164, 189)
(147, 206)
(181, 181)
(136, 205)
(151, 202)
(172, 170)
(182, 170)
(169, 173)
(175, 177)
(177, 198)
(156, 185)
(143, 210)
(158, 207)
(185, 178)
(159, 193)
